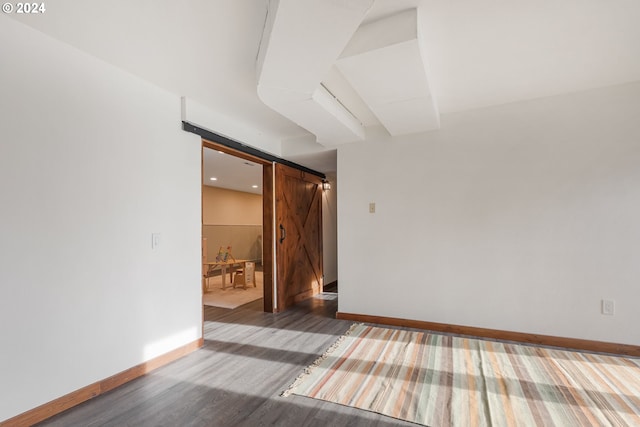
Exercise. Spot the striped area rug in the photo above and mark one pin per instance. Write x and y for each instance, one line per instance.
(440, 380)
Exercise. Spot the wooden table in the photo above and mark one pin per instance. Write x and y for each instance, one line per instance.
(210, 267)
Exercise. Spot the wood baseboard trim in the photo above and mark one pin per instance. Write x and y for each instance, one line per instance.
(546, 340)
(74, 398)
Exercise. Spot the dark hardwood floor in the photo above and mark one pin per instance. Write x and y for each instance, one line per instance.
(236, 379)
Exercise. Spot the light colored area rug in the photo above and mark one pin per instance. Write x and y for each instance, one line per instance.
(440, 380)
(230, 297)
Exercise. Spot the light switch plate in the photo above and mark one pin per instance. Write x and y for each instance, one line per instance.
(372, 207)
(155, 240)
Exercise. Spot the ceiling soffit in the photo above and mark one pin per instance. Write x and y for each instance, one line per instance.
(301, 41)
(385, 64)
(379, 67)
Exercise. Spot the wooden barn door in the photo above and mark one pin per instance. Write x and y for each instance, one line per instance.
(298, 235)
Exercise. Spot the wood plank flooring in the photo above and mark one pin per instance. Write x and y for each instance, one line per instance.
(248, 359)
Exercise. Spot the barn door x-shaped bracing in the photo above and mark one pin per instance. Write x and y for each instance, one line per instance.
(298, 235)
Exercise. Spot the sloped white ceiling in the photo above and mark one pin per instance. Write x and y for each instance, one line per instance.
(410, 61)
(478, 53)
(491, 52)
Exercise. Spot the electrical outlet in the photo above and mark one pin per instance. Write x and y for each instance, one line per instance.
(608, 307)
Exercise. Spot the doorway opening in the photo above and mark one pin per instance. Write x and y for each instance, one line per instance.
(237, 262)
(292, 227)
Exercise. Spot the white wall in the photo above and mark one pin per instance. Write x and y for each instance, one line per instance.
(221, 206)
(92, 161)
(330, 230)
(520, 217)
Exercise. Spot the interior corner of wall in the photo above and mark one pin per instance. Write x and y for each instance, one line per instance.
(183, 108)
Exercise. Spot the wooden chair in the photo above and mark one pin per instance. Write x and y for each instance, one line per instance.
(242, 277)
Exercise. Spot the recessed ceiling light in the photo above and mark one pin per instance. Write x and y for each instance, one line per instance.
(254, 186)
(213, 178)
